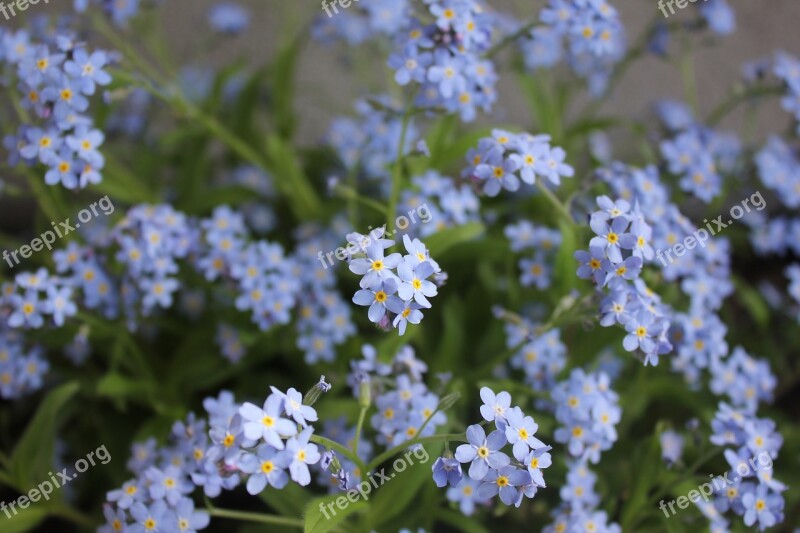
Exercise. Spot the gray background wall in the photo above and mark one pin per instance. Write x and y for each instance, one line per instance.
(327, 85)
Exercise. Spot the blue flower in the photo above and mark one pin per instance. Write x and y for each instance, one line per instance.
(414, 284)
(763, 507)
(447, 470)
(482, 452)
(188, 519)
(495, 406)
(376, 267)
(229, 18)
(266, 466)
(520, 432)
(379, 297)
(149, 518)
(266, 423)
(503, 481)
(293, 406)
(299, 453)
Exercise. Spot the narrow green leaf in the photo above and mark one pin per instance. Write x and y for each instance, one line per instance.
(440, 242)
(33, 456)
(323, 514)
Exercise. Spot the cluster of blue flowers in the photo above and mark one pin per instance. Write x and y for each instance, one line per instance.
(787, 68)
(779, 169)
(621, 231)
(545, 243)
(120, 12)
(541, 357)
(447, 203)
(402, 411)
(704, 272)
(588, 412)
(445, 59)
(589, 33)
(699, 155)
(395, 299)
(368, 145)
(752, 444)
(491, 471)
(239, 443)
(55, 78)
(21, 368)
(502, 160)
(361, 22)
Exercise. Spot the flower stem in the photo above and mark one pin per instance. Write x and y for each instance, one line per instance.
(359, 427)
(335, 446)
(397, 173)
(460, 437)
(558, 204)
(256, 517)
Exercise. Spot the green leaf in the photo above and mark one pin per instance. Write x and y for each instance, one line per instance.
(565, 267)
(25, 519)
(460, 522)
(317, 521)
(440, 242)
(288, 501)
(33, 456)
(392, 498)
(282, 162)
(752, 301)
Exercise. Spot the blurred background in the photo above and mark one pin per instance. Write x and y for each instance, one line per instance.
(328, 84)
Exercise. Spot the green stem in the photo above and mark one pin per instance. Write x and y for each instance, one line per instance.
(738, 98)
(359, 426)
(425, 424)
(388, 454)
(256, 517)
(689, 80)
(397, 173)
(508, 39)
(335, 446)
(73, 516)
(553, 199)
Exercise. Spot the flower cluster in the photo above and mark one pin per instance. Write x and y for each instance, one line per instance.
(445, 58)
(118, 12)
(406, 407)
(590, 33)
(544, 241)
(698, 155)
(752, 444)
(779, 169)
(502, 160)
(579, 500)
(540, 356)
(267, 445)
(787, 68)
(369, 143)
(395, 299)
(614, 259)
(56, 78)
(588, 412)
(490, 467)
(21, 368)
(361, 22)
(448, 204)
